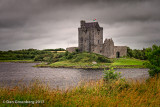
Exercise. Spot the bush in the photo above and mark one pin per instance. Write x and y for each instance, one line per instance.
(154, 60)
(111, 74)
(38, 58)
(103, 59)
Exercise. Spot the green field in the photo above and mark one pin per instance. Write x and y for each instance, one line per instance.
(128, 61)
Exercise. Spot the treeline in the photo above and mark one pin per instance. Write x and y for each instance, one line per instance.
(58, 49)
(137, 53)
(24, 54)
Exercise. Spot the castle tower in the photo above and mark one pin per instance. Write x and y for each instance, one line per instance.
(90, 37)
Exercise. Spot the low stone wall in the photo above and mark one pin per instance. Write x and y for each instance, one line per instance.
(71, 49)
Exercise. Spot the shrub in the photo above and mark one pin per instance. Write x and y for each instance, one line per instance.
(69, 56)
(66, 53)
(38, 58)
(111, 74)
(103, 59)
(154, 60)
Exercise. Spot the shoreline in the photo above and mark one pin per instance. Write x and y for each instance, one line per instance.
(90, 67)
(18, 61)
(118, 63)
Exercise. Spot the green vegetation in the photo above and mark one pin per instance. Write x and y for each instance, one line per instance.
(25, 54)
(128, 63)
(116, 63)
(20, 61)
(28, 55)
(97, 94)
(59, 58)
(137, 53)
(58, 49)
(85, 57)
(153, 63)
(110, 75)
(78, 60)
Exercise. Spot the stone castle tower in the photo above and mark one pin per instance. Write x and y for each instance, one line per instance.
(90, 39)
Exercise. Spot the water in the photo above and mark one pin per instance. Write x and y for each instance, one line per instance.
(13, 73)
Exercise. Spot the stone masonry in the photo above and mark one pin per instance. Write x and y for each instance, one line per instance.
(90, 39)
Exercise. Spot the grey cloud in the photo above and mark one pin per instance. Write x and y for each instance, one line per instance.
(53, 23)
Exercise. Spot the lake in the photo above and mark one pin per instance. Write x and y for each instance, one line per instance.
(12, 74)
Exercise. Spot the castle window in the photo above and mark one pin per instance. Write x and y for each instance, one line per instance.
(98, 41)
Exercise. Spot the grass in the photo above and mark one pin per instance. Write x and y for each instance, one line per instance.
(117, 63)
(20, 61)
(94, 93)
(128, 63)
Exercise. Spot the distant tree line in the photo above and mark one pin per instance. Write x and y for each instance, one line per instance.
(137, 53)
(24, 54)
(58, 49)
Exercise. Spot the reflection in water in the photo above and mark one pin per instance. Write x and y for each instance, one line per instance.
(12, 73)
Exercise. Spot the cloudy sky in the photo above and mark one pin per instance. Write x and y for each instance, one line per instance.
(44, 24)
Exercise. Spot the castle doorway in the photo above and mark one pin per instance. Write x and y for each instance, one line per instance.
(117, 54)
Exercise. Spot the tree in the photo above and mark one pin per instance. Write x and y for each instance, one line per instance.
(153, 55)
(129, 52)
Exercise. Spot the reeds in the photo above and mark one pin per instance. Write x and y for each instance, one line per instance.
(93, 93)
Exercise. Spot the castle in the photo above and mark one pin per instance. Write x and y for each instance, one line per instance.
(90, 39)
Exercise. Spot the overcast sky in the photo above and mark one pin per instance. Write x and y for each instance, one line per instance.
(44, 24)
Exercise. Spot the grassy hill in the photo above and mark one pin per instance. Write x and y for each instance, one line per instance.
(91, 60)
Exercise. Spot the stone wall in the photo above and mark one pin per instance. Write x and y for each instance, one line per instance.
(71, 49)
(108, 48)
(98, 40)
(121, 49)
